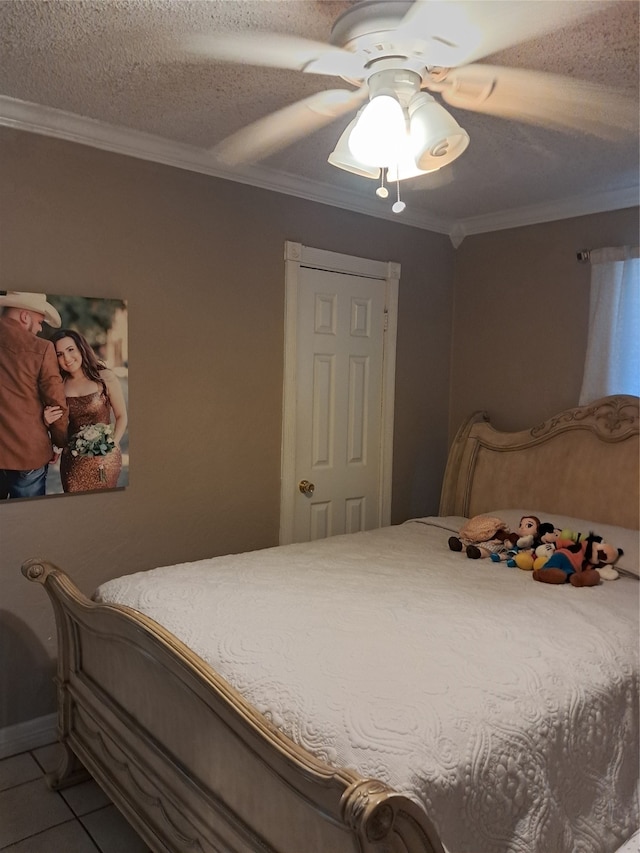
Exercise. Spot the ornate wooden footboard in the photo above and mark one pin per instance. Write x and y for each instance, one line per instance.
(188, 761)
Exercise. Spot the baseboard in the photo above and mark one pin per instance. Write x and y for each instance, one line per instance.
(25, 736)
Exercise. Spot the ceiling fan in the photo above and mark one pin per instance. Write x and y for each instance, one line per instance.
(399, 55)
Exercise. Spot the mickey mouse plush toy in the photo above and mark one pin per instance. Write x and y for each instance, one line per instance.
(577, 563)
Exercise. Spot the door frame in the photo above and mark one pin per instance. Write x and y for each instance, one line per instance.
(296, 257)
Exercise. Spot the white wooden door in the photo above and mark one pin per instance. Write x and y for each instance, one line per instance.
(341, 421)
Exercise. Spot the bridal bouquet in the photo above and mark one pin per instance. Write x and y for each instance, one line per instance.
(92, 440)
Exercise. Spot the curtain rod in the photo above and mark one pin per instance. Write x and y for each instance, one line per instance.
(619, 253)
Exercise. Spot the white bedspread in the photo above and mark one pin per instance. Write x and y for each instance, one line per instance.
(508, 708)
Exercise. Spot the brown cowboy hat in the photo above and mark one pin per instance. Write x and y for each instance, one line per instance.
(32, 302)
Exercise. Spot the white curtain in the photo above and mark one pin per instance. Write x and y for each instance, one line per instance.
(612, 364)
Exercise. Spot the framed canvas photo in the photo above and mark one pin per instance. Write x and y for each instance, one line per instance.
(64, 394)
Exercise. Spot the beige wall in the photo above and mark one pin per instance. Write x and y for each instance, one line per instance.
(521, 309)
(200, 261)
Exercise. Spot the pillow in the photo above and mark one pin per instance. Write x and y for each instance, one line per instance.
(619, 537)
(450, 523)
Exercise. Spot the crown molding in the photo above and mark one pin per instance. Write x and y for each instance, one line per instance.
(35, 118)
(566, 208)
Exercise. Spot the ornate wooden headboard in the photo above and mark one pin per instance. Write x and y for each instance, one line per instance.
(583, 463)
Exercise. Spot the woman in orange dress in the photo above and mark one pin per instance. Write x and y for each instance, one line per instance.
(95, 398)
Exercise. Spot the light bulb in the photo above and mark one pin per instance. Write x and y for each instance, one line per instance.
(398, 206)
(382, 192)
(380, 132)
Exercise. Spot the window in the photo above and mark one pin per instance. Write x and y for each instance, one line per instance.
(612, 364)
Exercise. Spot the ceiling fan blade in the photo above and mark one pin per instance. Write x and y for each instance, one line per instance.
(277, 51)
(280, 129)
(539, 98)
(456, 32)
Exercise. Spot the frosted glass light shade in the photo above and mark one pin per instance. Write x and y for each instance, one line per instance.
(342, 157)
(436, 137)
(406, 167)
(379, 133)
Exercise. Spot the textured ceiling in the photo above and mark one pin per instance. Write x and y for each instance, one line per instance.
(125, 64)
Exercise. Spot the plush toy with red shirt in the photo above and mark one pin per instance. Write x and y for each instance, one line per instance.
(577, 563)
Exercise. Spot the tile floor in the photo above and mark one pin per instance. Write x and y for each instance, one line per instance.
(80, 819)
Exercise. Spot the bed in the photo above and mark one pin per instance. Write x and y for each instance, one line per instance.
(376, 692)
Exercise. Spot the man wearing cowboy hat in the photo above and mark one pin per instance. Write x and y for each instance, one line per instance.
(29, 381)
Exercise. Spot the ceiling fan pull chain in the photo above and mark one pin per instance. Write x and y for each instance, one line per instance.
(382, 191)
(398, 206)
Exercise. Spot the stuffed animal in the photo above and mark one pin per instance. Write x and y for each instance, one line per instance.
(481, 536)
(536, 559)
(526, 536)
(543, 553)
(608, 573)
(579, 563)
(566, 533)
(547, 533)
(533, 535)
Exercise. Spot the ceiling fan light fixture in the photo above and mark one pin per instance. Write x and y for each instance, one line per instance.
(342, 157)
(436, 137)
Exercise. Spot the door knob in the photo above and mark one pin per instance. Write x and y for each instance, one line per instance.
(306, 487)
